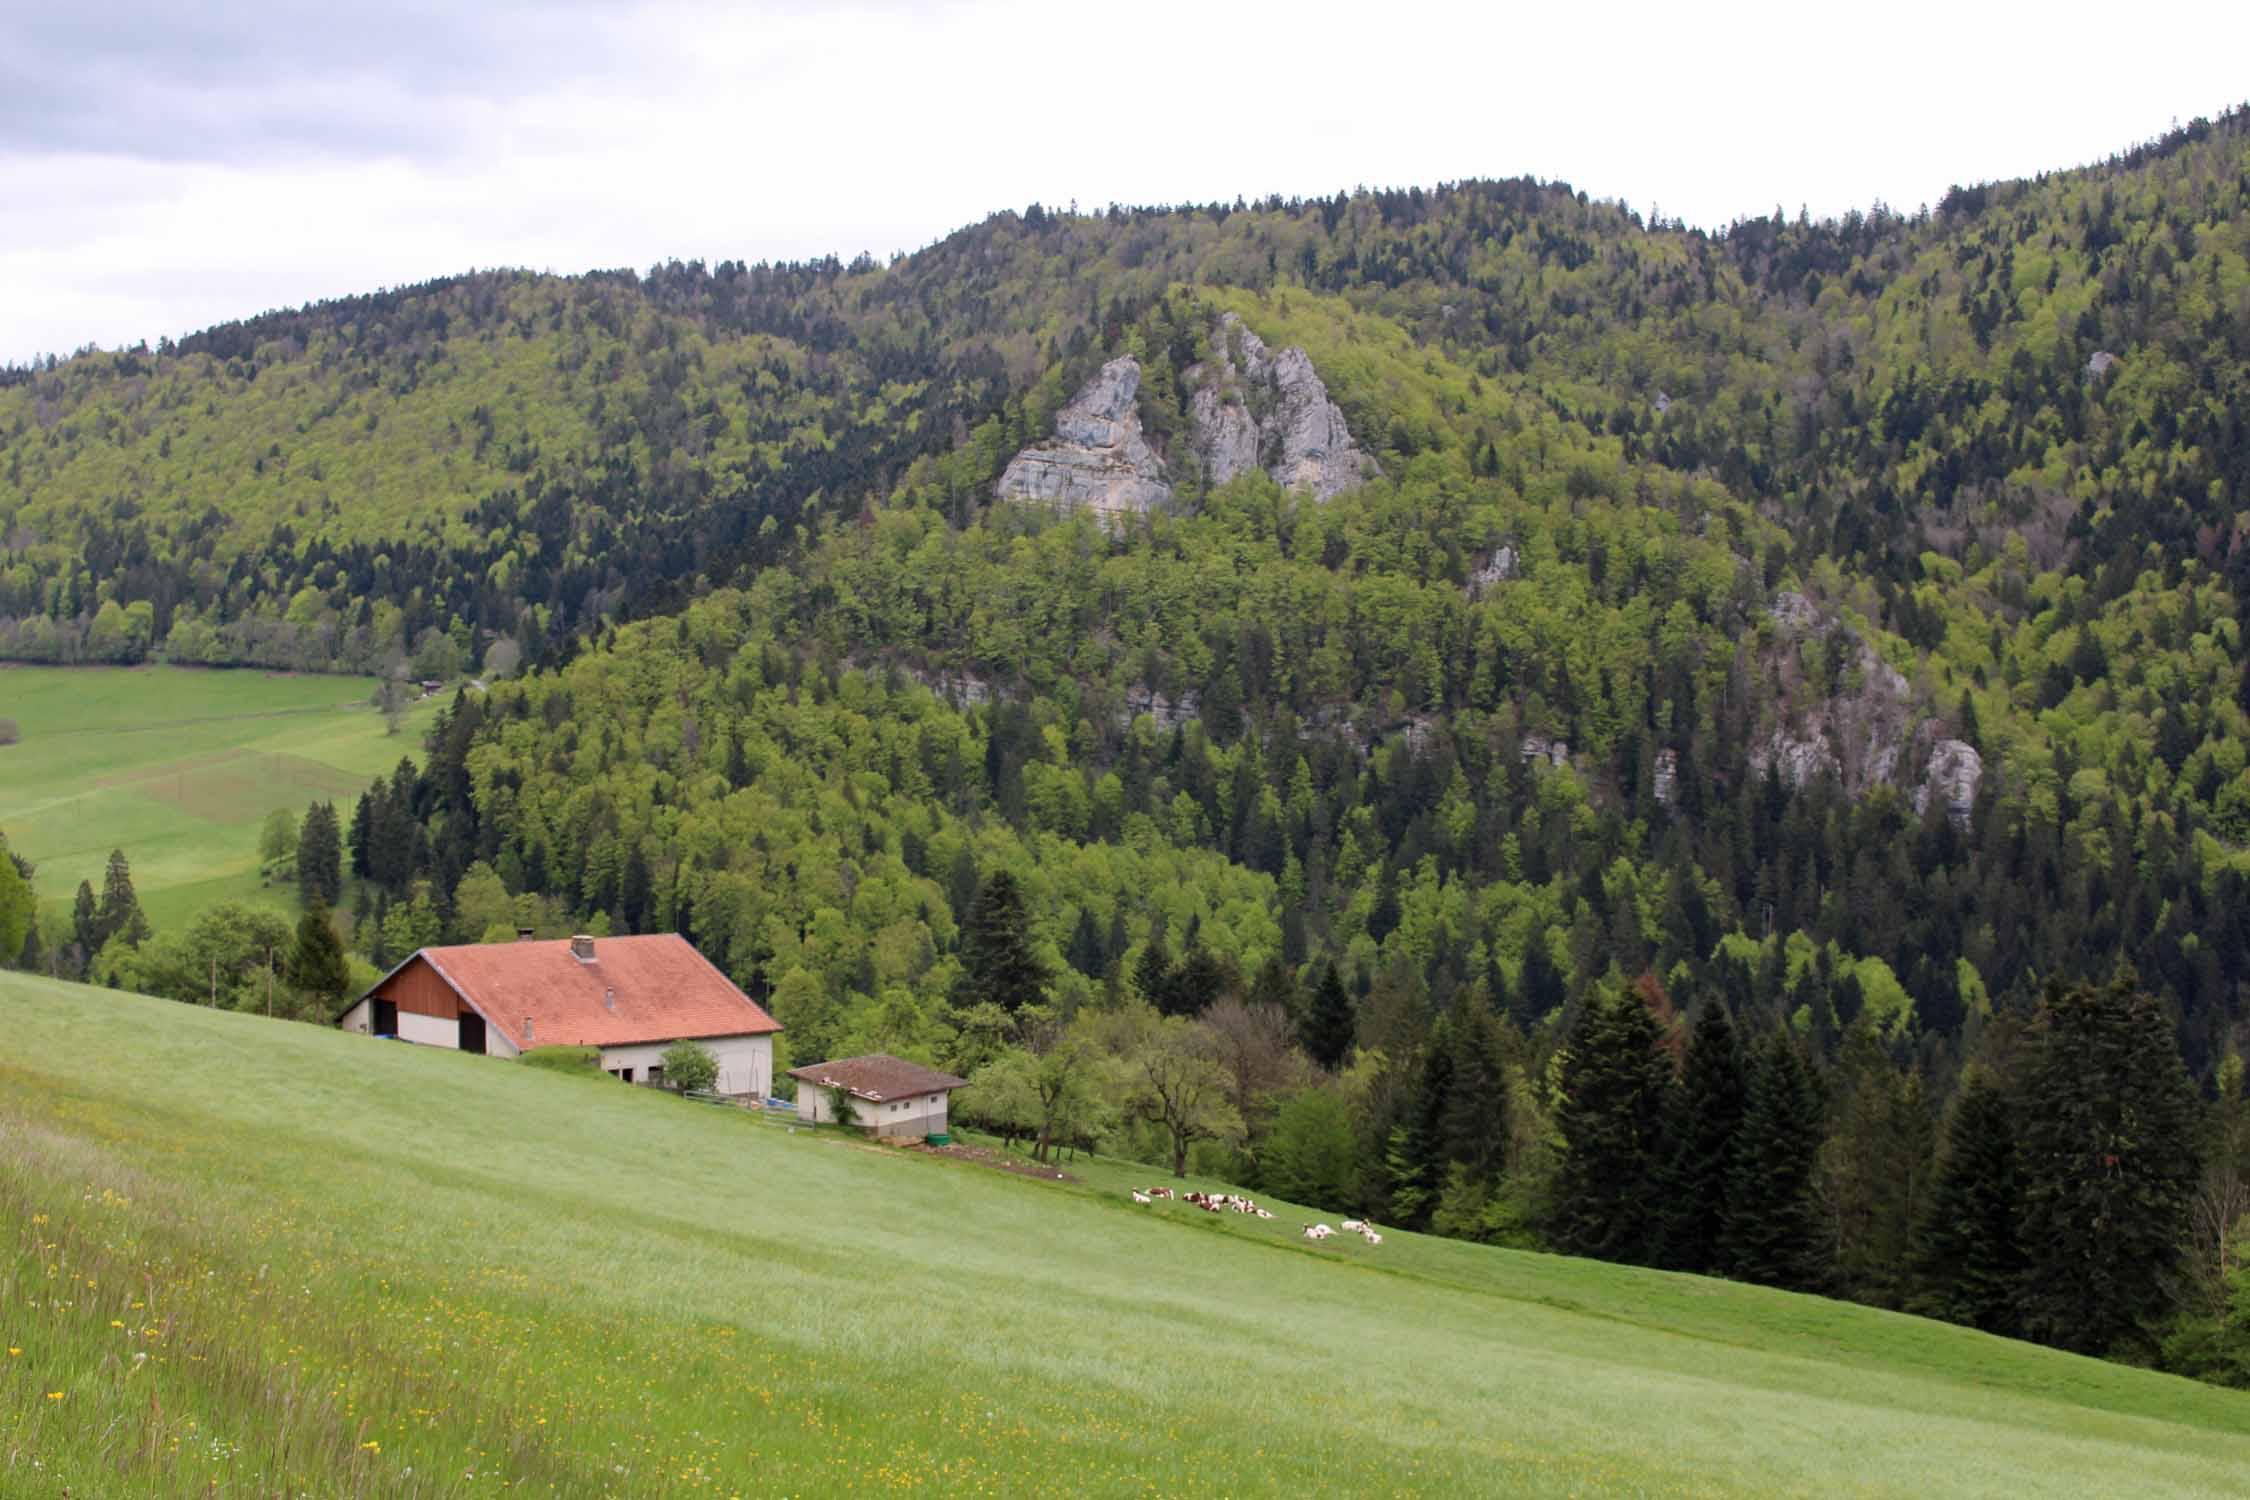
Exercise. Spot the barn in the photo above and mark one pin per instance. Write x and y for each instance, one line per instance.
(889, 1095)
(632, 997)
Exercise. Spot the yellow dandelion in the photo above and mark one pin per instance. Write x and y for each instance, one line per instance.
(54, 1395)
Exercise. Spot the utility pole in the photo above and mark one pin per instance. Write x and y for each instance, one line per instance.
(269, 981)
(214, 982)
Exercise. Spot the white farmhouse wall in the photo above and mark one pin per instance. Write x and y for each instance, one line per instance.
(745, 1062)
(497, 1045)
(356, 1019)
(429, 1031)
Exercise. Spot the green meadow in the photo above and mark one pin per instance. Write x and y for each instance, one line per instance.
(242, 1257)
(177, 766)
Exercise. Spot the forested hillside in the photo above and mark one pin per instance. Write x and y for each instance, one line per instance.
(1779, 680)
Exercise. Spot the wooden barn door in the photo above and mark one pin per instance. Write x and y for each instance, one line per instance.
(472, 1032)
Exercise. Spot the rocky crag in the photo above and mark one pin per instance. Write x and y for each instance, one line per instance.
(1869, 732)
(1099, 459)
(1248, 408)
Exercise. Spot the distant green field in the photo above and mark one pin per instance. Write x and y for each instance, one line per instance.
(178, 766)
(246, 1257)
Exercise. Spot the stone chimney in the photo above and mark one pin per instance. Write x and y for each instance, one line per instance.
(528, 1035)
(609, 1000)
(582, 948)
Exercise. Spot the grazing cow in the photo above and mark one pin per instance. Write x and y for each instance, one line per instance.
(1141, 1197)
(1318, 1231)
(1354, 1225)
(1373, 1238)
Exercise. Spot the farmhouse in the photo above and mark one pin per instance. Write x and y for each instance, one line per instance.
(630, 996)
(889, 1095)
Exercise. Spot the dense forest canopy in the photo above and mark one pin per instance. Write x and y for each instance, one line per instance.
(1780, 682)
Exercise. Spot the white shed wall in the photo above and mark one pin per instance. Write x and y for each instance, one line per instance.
(355, 1019)
(921, 1115)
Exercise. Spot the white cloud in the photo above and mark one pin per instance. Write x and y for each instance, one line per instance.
(597, 137)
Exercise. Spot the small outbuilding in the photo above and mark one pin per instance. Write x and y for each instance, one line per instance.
(631, 997)
(889, 1095)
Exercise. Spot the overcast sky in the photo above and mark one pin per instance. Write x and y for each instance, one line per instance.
(168, 164)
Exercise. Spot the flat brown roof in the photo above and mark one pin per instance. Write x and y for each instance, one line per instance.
(876, 1078)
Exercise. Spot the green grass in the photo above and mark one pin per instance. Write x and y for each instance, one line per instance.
(356, 1267)
(178, 766)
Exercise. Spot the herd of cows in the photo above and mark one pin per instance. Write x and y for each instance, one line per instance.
(1219, 1203)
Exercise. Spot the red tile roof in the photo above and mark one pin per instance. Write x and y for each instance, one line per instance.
(543, 995)
(877, 1077)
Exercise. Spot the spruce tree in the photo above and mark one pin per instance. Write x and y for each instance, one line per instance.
(1542, 990)
(1152, 974)
(997, 964)
(320, 875)
(1614, 1078)
(636, 891)
(2110, 1142)
(1968, 1260)
(86, 923)
(317, 967)
(1085, 951)
(1701, 1128)
(16, 907)
(120, 910)
(1474, 1126)
(1330, 1025)
(363, 832)
(1771, 1233)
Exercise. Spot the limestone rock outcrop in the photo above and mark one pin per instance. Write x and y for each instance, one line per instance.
(1955, 772)
(1099, 459)
(1497, 569)
(1248, 408)
(1251, 408)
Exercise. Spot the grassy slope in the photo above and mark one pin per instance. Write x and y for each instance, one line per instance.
(177, 766)
(348, 1260)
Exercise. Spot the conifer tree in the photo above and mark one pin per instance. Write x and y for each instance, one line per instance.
(1968, 1260)
(1542, 990)
(1330, 1026)
(1701, 1128)
(1473, 1131)
(1875, 1168)
(1614, 1078)
(1085, 951)
(86, 921)
(1152, 972)
(320, 875)
(363, 832)
(1772, 1230)
(2111, 1138)
(636, 890)
(997, 964)
(16, 907)
(316, 964)
(120, 910)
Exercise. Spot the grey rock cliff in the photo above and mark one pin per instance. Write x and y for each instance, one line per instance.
(1098, 460)
(1251, 408)
(1955, 772)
